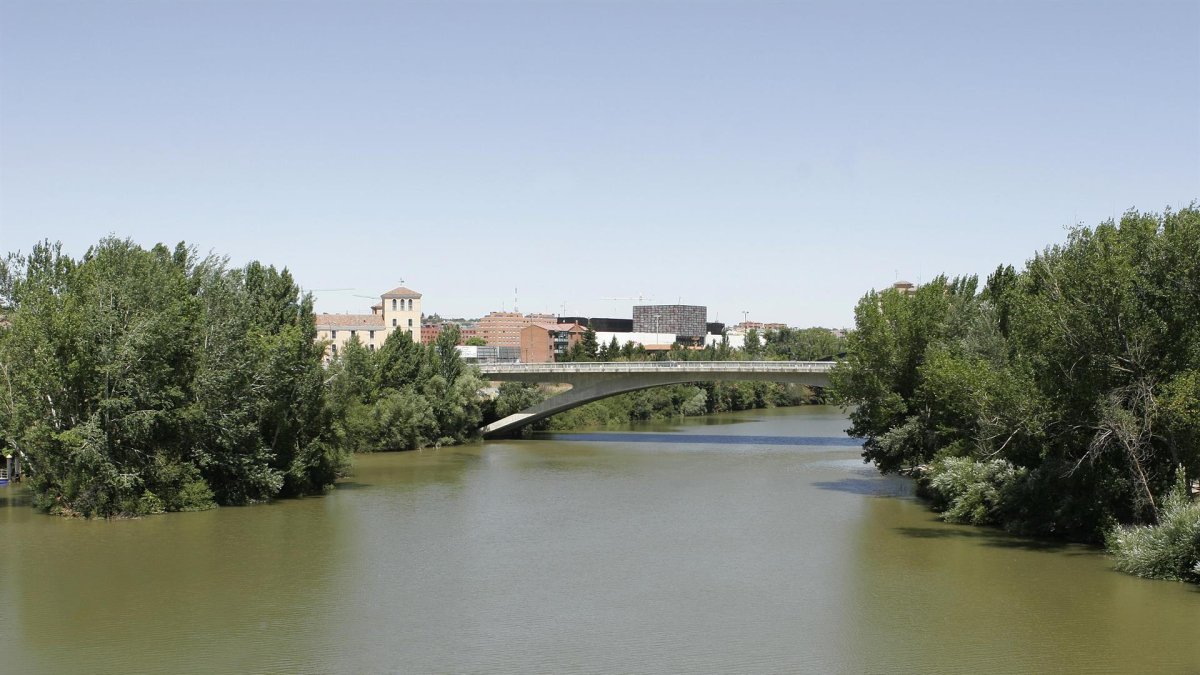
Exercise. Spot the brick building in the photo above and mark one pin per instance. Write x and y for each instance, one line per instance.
(543, 342)
(504, 328)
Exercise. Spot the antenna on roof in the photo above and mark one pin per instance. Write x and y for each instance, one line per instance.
(515, 303)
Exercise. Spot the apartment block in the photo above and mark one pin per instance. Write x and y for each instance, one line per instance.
(503, 329)
(544, 342)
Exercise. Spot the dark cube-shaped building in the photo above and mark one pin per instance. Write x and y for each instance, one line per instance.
(687, 322)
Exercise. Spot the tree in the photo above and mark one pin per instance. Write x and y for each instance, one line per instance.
(588, 345)
(146, 380)
(1068, 388)
(803, 344)
(514, 397)
(419, 395)
(753, 345)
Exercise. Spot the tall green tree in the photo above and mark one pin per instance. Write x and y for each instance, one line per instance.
(588, 345)
(146, 380)
(1071, 382)
(753, 345)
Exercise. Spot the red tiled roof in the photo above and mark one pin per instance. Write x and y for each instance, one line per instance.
(401, 292)
(559, 327)
(369, 321)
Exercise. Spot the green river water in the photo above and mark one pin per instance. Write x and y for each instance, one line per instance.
(742, 543)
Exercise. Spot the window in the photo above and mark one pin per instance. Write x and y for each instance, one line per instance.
(371, 334)
(333, 334)
(334, 348)
(410, 304)
(393, 323)
(393, 304)
(352, 333)
(371, 347)
(410, 323)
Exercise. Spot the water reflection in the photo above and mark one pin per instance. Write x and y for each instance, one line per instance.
(707, 439)
(232, 590)
(934, 597)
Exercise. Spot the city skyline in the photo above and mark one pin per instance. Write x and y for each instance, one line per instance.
(779, 159)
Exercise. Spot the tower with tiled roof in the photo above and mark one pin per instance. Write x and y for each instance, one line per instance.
(398, 310)
(402, 310)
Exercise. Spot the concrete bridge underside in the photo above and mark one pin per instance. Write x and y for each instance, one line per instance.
(596, 382)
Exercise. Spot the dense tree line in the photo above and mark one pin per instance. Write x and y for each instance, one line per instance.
(784, 344)
(802, 344)
(681, 400)
(136, 381)
(1059, 400)
(658, 403)
(405, 395)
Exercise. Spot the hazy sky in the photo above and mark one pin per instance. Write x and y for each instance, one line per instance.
(779, 158)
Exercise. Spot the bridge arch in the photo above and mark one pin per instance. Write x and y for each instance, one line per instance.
(594, 381)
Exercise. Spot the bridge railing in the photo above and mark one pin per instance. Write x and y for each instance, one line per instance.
(661, 366)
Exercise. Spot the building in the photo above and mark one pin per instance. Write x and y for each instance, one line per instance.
(689, 323)
(905, 287)
(503, 329)
(489, 354)
(398, 309)
(600, 324)
(544, 342)
(647, 340)
(734, 339)
(431, 331)
(758, 326)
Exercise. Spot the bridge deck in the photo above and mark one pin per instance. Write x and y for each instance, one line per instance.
(594, 381)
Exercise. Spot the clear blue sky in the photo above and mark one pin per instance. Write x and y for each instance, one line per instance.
(779, 158)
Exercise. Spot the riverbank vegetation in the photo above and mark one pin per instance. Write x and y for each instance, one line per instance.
(137, 381)
(658, 403)
(405, 395)
(1061, 400)
(680, 400)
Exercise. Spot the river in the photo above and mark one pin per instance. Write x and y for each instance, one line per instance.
(748, 542)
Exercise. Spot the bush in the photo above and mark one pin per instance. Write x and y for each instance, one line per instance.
(696, 405)
(972, 492)
(1168, 550)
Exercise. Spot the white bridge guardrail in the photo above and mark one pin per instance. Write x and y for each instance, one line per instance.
(659, 366)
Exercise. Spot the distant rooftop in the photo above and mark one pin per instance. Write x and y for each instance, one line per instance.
(557, 326)
(401, 292)
(350, 321)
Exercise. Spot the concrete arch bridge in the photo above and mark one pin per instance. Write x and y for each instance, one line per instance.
(594, 381)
